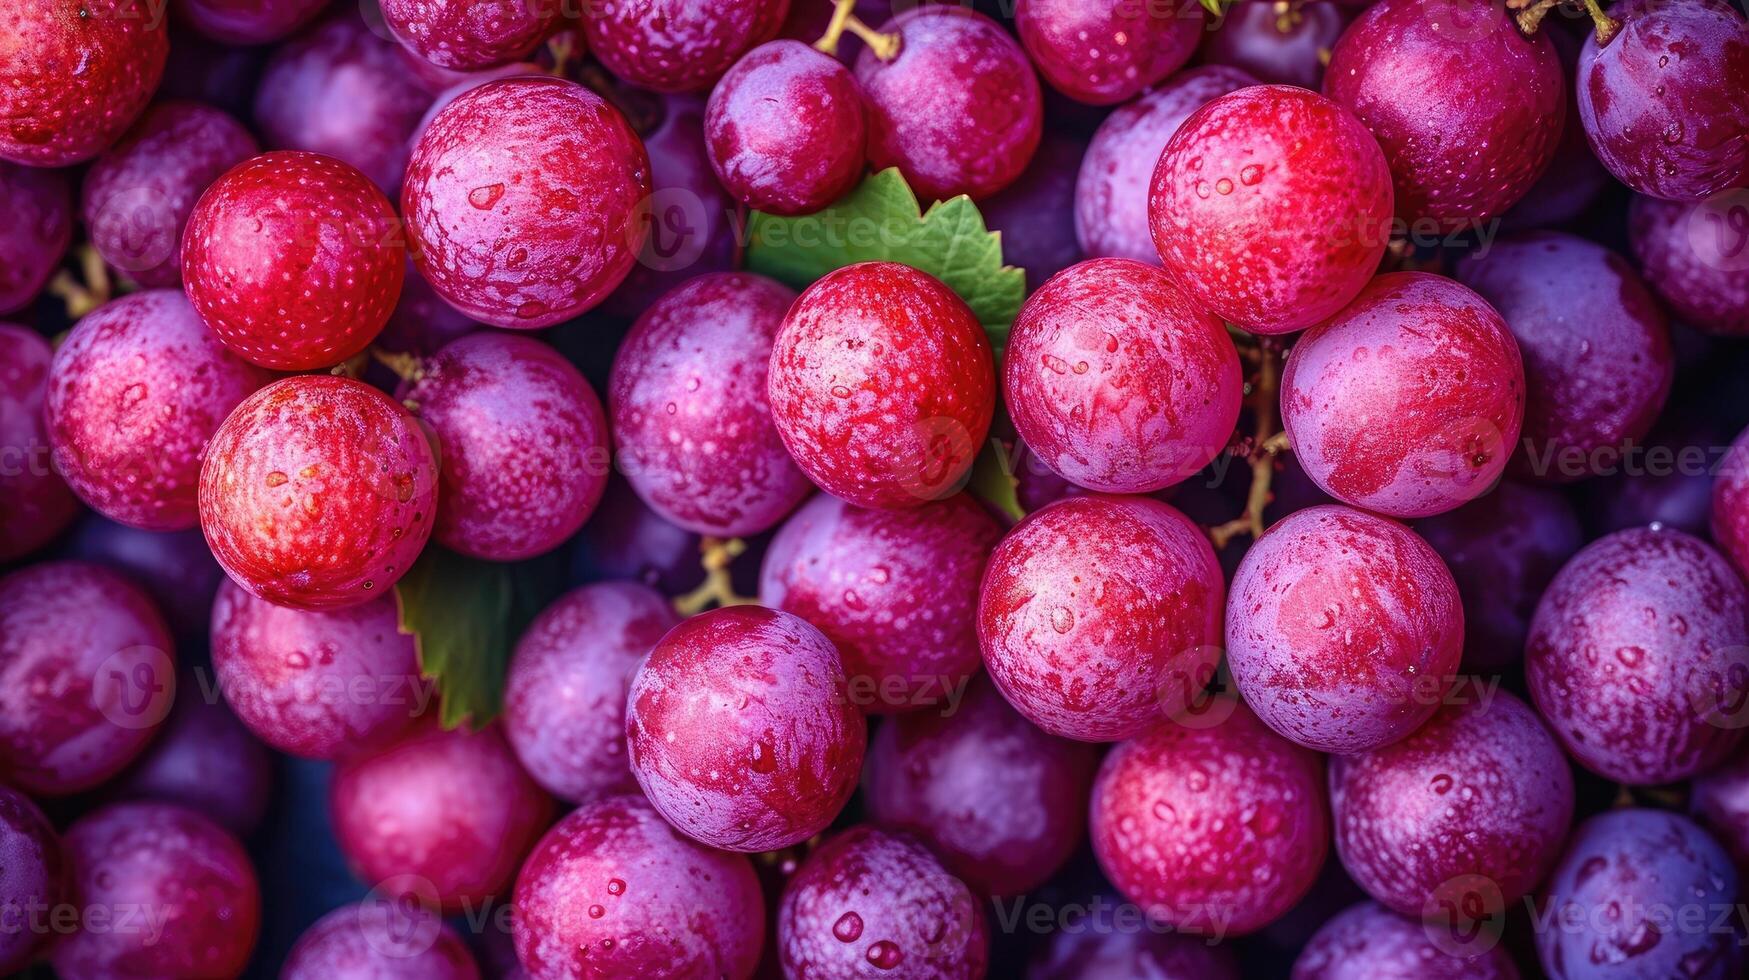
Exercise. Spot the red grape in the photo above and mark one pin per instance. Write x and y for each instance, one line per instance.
(1271, 206)
(294, 259)
(691, 417)
(205, 760)
(175, 865)
(137, 197)
(1639, 656)
(565, 695)
(453, 808)
(523, 445)
(1162, 393)
(1574, 178)
(613, 891)
(489, 179)
(1111, 192)
(1095, 953)
(1596, 349)
(1004, 804)
(1035, 215)
(1623, 902)
(1663, 103)
(1474, 805)
(318, 492)
(375, 941)
(678, 45)
(35, 503)
(74, 74)
(240, 22)
(895, 591)
(1720, 802)
(785, 129)
(87, 672)
(340, 90)
(39, 225)
(1502, 549)
(1457, 162)
(466, 36)
(32, 879)
(1103, 52)
(739, 730)
(1409, 401)
(1101, 615)
(316, 684)
(1280, 46)
(871, 898)
(957, 110)
(176, 569)
(1368, 942)
(1216, 830)
(135, 393)
(1730, 504)
(1695, 256)
(882, 385)
(1343, 629)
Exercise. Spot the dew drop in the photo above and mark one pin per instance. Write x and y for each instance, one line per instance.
(885, 955)
(1224, 186)
(277, 479)
(484, 197)
(1062, 619)
(848, 928)
(1251, 175)
(616, 887)
(596, 911)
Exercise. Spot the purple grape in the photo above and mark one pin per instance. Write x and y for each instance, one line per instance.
(380, 940)
(1368, 942)
(467, 36)
(1696, 258)
(1094, 953)
(1574, 178)
(205, 760)
(38, 227)
(1720, 802)
(1278, 45)
(627, 541)
(1036, 214)
(422, 323)
(35, 503)
(678, 45)
(220, 75)
(243, 22)
(1103, 52)
(32, 879)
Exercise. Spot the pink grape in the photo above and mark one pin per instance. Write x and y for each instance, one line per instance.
(1695, 258)
(1369, 942)
(36, 505)
(678, 45)
(379, 941)
(1103, 52)
(39, 226)
(32, 877)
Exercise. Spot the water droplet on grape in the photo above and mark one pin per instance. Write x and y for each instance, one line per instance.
(277, 479)
(484, 197)
(848, 928)
(1062, 619)
(885, 955)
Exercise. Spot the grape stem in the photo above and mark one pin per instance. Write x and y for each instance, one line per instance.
(87, 291)
(884, 46)
(718, 588)
(1532, 12)
(1267, 442)
(562, 48)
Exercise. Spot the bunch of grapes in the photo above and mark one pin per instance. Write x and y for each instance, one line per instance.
(1072, 489)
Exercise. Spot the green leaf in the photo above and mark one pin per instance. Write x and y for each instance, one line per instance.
(881, 221)
(465, 616)
(993, 479)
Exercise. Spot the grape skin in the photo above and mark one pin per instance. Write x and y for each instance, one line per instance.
(361, 941)
(33, 874)
(36, 505)
(1103, 52)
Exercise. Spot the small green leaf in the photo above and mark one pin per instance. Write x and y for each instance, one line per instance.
(881, 221)
(993, 479)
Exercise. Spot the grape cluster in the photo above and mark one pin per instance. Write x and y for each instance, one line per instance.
(1072, 489)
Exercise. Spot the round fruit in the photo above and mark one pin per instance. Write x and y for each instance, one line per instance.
(136, 392)
(138, 196)
(678, 45)
(1118, 381)
(316, 684)
(1662, 101)
(318, 492)
(1035, 215)
(626, 541)
(521, 201)
(785, 129)
(1455, 162)
(603, 892)
(1004, 804)
(1101, 616)
(958, 110)
(1368, 942)
(1103, 52)
(565, 695)
(1720, 802)
(39, 225)
(1271, 207)
(1695, 256)
(1343, 629)
(35, 503)
(205, 760)
(74, 74)
(32, 879)
(453, 808)
(1596, 349)
(522, 444)
(1730, 504)
(239, 22)
(1629, 876)
(1467, 813)
(895, 591)
(176, 568)
(871, 898)
(882, 385)
(379, 941)
(739, 730)
(192, 876)
(691, 416)
(1280, 46)
(1099, 953)
(1409, 401)
(1639, 656)
(87, 673)
(463, 36)
(1111, 192)
(1216, 830)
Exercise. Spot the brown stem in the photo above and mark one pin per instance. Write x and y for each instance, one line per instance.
(353, 367)
(1531, 14)
(718, 588)
(885, 46)
(407, 367)
(1268, 442)
(87, 291)
(562, 48)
